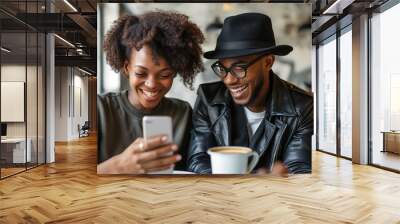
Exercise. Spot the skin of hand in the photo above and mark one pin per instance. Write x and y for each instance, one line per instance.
(142, 156)
(278, 169)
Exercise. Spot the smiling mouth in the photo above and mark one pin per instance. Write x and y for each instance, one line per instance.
(238, 91)
(150, 95)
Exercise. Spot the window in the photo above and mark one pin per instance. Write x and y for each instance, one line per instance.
(346, 93)
(327, 96)
(385, 88)
(22, 74)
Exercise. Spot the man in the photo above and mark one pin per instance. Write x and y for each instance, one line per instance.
(252, 106)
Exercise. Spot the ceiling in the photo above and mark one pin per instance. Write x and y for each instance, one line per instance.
(72, 20)
(75, 21)
(332, 15)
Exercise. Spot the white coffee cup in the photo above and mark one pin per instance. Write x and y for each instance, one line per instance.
(232, 159)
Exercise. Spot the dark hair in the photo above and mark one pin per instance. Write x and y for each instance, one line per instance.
(170, 35)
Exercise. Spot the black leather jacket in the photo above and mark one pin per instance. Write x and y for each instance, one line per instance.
(287, 126)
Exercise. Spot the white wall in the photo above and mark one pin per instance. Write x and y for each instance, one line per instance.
(71, 94)
(61, 103)
(13, 73)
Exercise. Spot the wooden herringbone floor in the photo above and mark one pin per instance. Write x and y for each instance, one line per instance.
(69, 191)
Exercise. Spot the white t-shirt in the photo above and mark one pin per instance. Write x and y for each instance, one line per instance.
(253, 120)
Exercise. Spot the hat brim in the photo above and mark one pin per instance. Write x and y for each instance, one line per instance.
(280, 50)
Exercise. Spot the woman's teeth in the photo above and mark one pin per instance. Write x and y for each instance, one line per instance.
(150, 93)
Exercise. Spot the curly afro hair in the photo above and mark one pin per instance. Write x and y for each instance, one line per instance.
(170, 35)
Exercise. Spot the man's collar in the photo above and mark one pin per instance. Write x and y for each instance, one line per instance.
(279, 103)
(222, 96)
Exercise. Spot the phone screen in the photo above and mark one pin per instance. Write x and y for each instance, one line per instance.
(157, 125)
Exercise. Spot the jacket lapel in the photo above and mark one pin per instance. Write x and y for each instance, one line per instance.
(222, 128)
(262, 138)
(239, 130)
(275, 150)
(278, 103)
(221, 124)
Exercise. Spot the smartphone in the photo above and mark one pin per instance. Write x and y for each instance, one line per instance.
(156, 126)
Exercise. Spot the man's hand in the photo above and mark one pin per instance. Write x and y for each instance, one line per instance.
(278, 169)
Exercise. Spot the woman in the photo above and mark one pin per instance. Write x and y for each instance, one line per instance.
(149, 50)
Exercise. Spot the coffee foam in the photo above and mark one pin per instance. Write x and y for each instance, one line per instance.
(231, 150)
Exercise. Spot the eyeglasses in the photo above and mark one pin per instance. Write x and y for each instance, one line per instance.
(239, 69)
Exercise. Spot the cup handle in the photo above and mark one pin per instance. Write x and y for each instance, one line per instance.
(254, 161)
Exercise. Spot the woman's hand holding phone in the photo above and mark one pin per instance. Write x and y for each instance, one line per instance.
(142, 156)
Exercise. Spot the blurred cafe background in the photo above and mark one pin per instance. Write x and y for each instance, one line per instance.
(291, 24)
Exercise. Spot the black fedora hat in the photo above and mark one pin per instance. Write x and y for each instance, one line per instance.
(246, 34)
